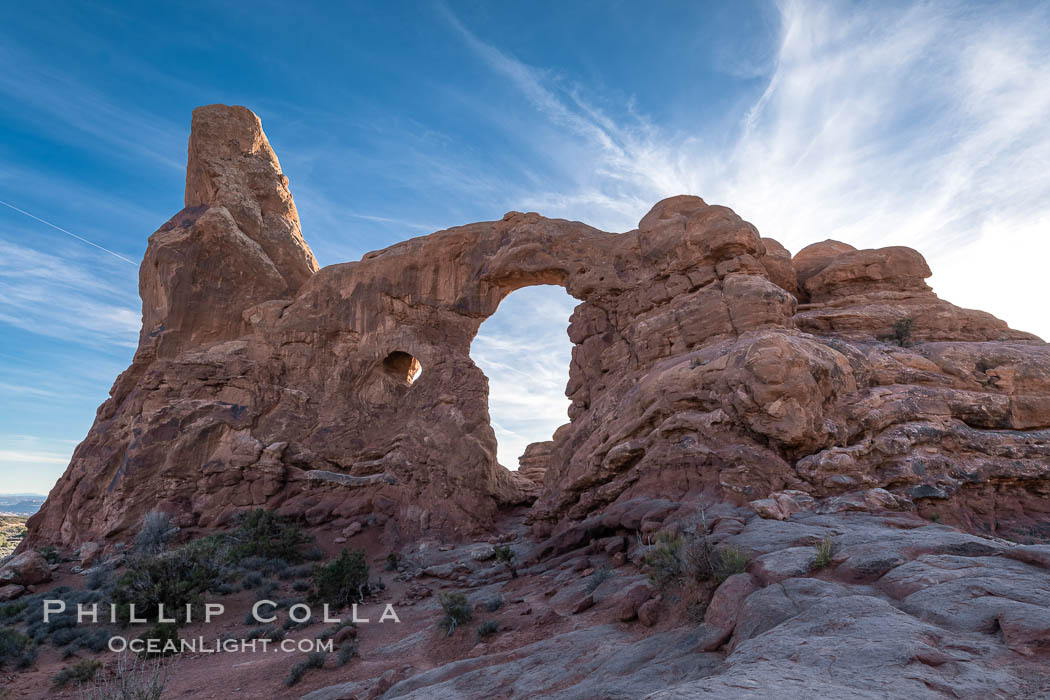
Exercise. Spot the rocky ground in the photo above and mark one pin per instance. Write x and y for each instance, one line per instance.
(900, 607)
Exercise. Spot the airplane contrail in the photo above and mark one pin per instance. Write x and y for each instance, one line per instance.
(68, 233)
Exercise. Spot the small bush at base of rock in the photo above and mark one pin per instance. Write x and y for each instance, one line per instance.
(494, 603)
(487, 629)
(505, 555)
(729, 560)
(825, 550)
(50, 554)
(343, 581)
(662, 559)
(261, 533)
(457, 611)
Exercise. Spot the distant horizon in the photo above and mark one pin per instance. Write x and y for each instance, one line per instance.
(926, 125)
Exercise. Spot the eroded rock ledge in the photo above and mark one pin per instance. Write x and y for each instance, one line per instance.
(707, 360)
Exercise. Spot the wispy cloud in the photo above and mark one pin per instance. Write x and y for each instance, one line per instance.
(524, 351)
(34, 457)
(926, 126)
(61, 298)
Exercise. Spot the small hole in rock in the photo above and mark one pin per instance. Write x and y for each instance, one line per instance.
(402, 366)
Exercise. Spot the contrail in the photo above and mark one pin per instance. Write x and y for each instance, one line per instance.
(68, 233)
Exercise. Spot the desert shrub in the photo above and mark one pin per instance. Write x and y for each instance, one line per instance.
(290, 624)
(494, 603)
(347, 651)
(93, 639)
(50, 554)
(392, 560)
(505, 555)
(175, 579)
(132, 679)
(252, 580)
(342, 581)
(662, 560)
(96, 578)
(598, 577)
(162, 632)
(13, 610)
(313, 660)
(901, 334)
(729, 560)
(457, 611)
(487, 629)
(266, 591)
(302, 571)
(301, 586)
(225, 589)
(82, 672)
(17, 650)
(260, 533)
(268, 566)
(155, 531)
(825, 550)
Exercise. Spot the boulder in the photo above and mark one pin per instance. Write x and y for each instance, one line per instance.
(26, 569)
(631, 600)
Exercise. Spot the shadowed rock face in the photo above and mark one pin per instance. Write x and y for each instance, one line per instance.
(695, 370)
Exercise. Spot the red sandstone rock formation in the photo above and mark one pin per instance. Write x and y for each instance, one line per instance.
(706, 360)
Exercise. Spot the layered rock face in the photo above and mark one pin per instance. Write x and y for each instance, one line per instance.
(707, 363)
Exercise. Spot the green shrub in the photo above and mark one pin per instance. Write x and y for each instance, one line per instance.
(494, 603)
(729, 560)
(901, 334)
(505, 555)
(313, 660)
(392, 561)
(457, 611)
(175, 579)
(50, 554)
(341, 582)
(487, 629)
(162, 632)
(13, 610)
(82, 672)
(825, 550)
(662, 560)
(16, 649)
(260, 533)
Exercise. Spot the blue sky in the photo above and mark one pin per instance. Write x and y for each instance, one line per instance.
(878, 124)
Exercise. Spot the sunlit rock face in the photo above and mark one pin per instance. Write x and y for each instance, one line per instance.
(706, 362)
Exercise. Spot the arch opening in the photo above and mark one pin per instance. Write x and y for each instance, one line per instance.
(524, 350)
(402, 366)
